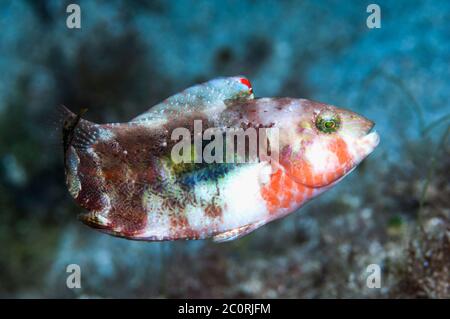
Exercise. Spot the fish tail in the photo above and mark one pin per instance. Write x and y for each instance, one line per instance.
(76, 131)
(84, 182)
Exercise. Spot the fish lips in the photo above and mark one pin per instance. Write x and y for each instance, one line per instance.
(371, 137)
(366, 144)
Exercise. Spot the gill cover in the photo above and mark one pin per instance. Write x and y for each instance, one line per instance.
(321, 164)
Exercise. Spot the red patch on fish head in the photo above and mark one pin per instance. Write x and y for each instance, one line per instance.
(319, 165)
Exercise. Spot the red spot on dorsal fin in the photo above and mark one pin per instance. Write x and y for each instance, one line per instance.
(247, 83)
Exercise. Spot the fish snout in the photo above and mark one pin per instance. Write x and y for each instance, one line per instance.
(355, 125)
(358, 132)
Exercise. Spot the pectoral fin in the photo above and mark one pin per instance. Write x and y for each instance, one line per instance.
(238, 232)
(209, 96)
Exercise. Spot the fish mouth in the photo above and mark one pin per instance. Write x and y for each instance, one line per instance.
(368, 142)
(373, 138)
(372, 135)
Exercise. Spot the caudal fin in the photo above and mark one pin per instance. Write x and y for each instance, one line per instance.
(76, 131)
(83, 180)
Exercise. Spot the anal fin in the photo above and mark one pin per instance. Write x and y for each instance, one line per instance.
(237, 232)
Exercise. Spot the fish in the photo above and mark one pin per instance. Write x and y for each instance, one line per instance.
(129, 184)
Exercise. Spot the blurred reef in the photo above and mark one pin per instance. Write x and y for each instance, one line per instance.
(394, 210)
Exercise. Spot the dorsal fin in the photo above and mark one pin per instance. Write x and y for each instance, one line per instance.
(210, 96)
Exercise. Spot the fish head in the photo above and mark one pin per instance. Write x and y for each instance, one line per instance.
(324, 143)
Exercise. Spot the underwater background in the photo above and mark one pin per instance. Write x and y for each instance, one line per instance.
(393, 210)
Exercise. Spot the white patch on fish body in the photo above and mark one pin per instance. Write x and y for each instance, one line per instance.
(241, 193)
(205, 191)
(321, 158)
(197, 219)
(158, 221)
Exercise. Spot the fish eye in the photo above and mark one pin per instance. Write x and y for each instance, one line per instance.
(328, 122)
